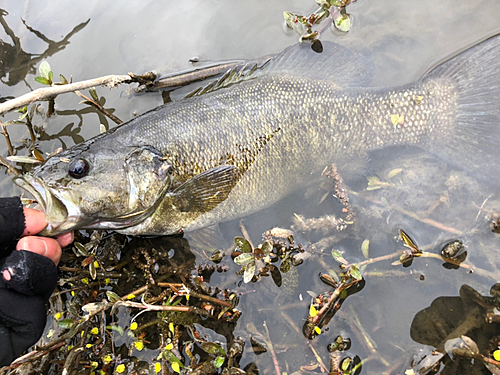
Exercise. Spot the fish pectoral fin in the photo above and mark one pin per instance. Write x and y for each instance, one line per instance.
(207, 190)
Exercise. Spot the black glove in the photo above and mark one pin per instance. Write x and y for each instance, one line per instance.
(27, 280)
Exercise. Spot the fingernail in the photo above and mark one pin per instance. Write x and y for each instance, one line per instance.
(33, 244)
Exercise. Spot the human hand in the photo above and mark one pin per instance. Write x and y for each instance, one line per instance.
(48, 247)
(28, 276)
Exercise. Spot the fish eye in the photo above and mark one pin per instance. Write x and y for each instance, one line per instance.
(78, 168)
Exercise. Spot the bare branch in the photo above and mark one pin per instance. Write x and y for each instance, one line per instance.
(48, 92)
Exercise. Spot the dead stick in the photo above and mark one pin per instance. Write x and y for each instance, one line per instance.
(7, 139)
(271, 349)
(47, 92)
(179, 79)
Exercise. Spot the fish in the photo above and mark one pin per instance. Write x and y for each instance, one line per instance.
(246, 142)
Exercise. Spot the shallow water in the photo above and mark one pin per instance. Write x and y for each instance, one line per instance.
(404, 39)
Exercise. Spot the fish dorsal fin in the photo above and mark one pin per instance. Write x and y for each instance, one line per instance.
(335, 63)
(207, 190)
(232, 76)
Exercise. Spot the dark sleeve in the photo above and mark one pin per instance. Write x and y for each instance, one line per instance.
(33, 277)
(11, 224)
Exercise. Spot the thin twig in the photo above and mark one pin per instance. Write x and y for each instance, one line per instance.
(33, 355)
(7, 138)
(271, 349)
(427, 221)
(6, 163)
(99, 107)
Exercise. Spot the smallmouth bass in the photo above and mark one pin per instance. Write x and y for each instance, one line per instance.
(239, 148)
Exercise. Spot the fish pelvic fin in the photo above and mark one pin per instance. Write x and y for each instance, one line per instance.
(475, 138)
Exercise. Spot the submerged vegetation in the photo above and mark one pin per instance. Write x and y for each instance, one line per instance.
(297, 302)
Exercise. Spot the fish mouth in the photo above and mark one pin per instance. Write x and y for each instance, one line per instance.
(57, 214)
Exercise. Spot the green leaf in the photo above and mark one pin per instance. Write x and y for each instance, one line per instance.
(116, 329)
(42, 80)
(336, 3)
(408, 242)
(112, 296)
(92, 270)
(219, 361)
(337, 255)
(365, 246)
(212, 348)
(22, 116)
(267, 247)
(243, 244)
(244, 259)
(66, 323)
(63, 79)
(171, 358)
(343, 22)
(93, 94)
(289, 19)
(81, 249)
(44, 69)
(285, 265)
(249, 272)
(355, 273)
(51, 75)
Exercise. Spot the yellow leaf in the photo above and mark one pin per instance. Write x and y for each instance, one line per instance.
(169, 346)
(139, 345)
(131, 296)
(171, 327)
(96, 264)
(107, 359)
(120, 368)
(312, 311)
(317, 330)
(496, 355)
(85, 281)
(133, 326)
(88, 346)
(94, 331)
(58, 316)
(176, 367)
(157, 367)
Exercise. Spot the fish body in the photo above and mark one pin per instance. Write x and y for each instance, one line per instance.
(233, 151)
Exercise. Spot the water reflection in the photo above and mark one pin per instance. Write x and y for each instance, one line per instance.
(17, 63)
(459, 329)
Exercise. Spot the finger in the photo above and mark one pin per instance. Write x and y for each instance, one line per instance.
(48, 247)
(34, 220)
(65, 239)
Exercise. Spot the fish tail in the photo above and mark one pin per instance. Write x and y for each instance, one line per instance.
(474, 144)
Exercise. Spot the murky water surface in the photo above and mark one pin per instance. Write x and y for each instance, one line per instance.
(432, 202)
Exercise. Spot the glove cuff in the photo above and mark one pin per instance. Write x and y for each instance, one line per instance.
(12, 224)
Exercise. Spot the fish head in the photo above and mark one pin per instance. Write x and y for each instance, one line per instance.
(98, 188)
